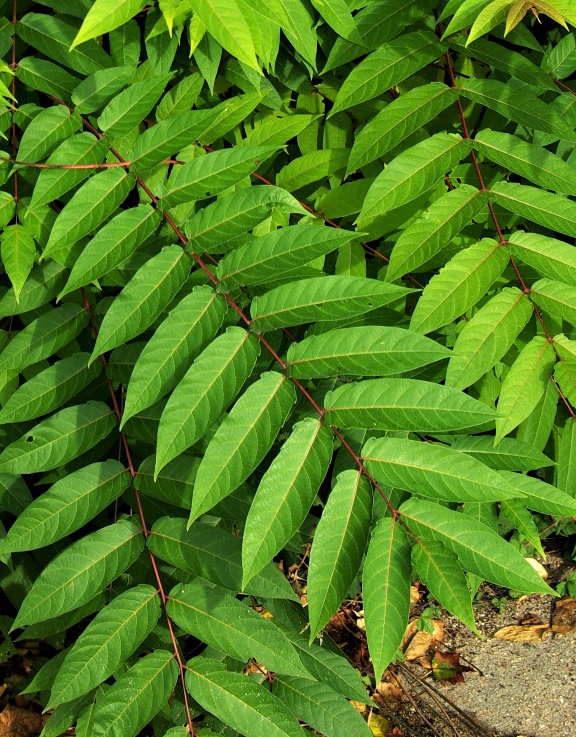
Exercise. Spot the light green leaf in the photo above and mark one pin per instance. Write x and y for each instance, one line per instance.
(168, 354)
(127, 110)
(67, 506)
(534, 163)
(169, 9)
(524, 385)
(432, 231)
(550, 210)
(81, 149)
(460, 284)
(59, 439)
(273, 131)
(136, 697)
(232, 112)
(214, 555)
(337, 548)
(555, 298)
(207, 176)
(398, 120)
(338, 17)
(143, 299)
(386, 67)
(487, 337)
(318, 299)
(18, 252)
(480, 550)
(566, 457)
(517, 105)
(213, 228)
(206, 390)
(225, 22)
(44, 76)
(81, 571)
(404, 405)
(109, 639)
(522, 520)
(540, 496)
(320, 707)
(285, 494)
(434, 470)
(239, 701)
(46, 131)
(265, 258)
(242, 440)
(438, 568)
(312, 167)
(386, 592)
(550, 257)
(87, 209)
(216, 617)
(106, 15)
(411, 173)
(43, 336)
(361, 351)
(510, 454)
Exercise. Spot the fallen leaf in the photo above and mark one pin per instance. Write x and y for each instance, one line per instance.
(379, 726)
(447, 667)
(523, 633)
(423, 642)
(538, 567)
(564, 617)
(17, 722)
(414, 596)
(395, 732)
(359, 706)
(390, 691)
(411, 630)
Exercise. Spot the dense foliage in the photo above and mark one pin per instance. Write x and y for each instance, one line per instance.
(284, 282)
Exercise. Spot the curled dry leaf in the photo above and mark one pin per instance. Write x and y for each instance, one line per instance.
(17, 722)
(424, 642)
(523, 633)
(564, 617)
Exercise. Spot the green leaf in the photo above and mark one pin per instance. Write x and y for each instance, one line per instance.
(401, 118)
(50, 389)
(169, 10)
(265, 258)
(460, 285)
(80, 149)
(386, 67)
(67, 506)
(540, 496)
(338, 546)
(550, 210)
(555, 298)
(434, 470)
(522, 520)
(386, 592)
(534, 163)
(320, 707)
(516, 105)
(43, 336)
(487, 337)
(273, 131)
(113, 243)
(214, 228)
(136, 697)
(233, 112)
(361, 351)
(312, 167)
(524, 385)
(207, 176)
(14, 495)
(127, 110)
(143, 299)
(549, 256)
(97, 89)
(44, 76)
(206, 390)
(242, 440)
(46, 131)
(110, 638)
(214, 555)
(168, 354)
(566, 457)
(480, 550)
(225, 22)
(170, 136)
(285, 494)
(510, 454)
(81, 571)
(411, 173)
(106, 15)
(239, 701)
(87, 209)
(42, 285)
(404, 405)
(18, 252)
(219, 619)
(438, 568)
(338, 17)
(318, 299)
(432, 231)
(59, 439)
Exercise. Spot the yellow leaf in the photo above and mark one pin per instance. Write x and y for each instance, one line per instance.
(379, 726)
